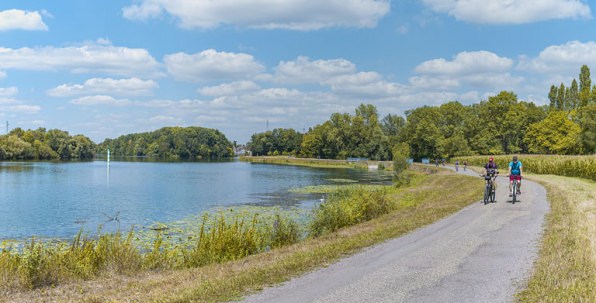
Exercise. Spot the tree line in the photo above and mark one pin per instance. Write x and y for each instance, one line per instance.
(44, 145)
(185, 142)
(500, 125)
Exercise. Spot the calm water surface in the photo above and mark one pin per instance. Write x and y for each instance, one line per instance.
(56, 199)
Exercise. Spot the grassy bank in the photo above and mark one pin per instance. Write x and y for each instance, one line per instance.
(410, 208)
(566, 269)
(285, 160)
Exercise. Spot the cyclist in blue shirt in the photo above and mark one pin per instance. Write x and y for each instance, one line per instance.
(515, 173)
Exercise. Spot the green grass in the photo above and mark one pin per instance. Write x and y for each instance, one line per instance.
(566, 268)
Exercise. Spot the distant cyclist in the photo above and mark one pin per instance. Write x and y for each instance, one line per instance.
(456, 165)
(437, 160)
(515, 173)
(491, 169)
(443, 161)
(465, 164)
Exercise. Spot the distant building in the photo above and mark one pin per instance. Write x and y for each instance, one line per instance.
(242, 150)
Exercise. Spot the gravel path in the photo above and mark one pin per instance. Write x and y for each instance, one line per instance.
(481, 254)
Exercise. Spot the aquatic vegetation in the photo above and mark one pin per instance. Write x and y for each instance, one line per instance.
(342, 180)
(317, 189)
(221, 235)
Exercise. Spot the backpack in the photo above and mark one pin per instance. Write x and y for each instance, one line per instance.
(490, 168)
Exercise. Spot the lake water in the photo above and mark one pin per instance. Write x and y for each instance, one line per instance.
(56, 199)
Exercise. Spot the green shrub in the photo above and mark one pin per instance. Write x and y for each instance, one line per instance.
(348, 206)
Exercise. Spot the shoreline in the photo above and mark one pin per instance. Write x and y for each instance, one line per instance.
(313, 162)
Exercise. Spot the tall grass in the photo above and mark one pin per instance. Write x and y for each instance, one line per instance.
(45, 262)
(349, 206)
(569, 166)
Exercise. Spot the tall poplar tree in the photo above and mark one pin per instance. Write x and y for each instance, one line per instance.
(573, 97)
(552, 96)
(560, 104)
(585, 84)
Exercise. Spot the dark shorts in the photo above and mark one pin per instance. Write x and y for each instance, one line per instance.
(512, 177)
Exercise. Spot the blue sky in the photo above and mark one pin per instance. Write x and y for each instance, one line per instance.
(108, 68)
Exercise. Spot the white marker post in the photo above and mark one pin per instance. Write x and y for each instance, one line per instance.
(108, 157)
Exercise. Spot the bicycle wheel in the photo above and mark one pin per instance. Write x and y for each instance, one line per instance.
(486, 194)
(514, 191)
(494, 196)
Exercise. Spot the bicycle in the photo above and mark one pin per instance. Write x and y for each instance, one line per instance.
(514, 189)
(489, 192)
(465, 166)
(456, 167)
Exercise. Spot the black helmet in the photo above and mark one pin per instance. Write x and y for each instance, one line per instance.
(514, 158)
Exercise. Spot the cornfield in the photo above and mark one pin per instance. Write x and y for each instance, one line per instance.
(569, 166)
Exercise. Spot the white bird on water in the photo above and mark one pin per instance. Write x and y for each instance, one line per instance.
(323, 199)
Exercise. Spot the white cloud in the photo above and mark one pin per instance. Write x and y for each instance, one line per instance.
(365, 84)
(360, 78)
(21, 108)
(305, 71)
(6, 101)
(8, 91)
(229, 89)
(510, 11)
(17, 19)
(565, 59)
(210, 65)
(100, 100)
(502, 80)
(466, 63)
(110, 60)
(280, 14)
(46, 13)
(120, 87)
(155, 103)
(434, 83)
(2, 75)
(478, 69)
(104, 41)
